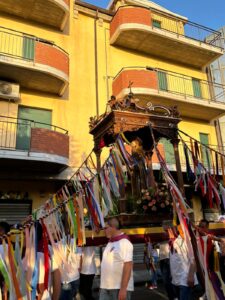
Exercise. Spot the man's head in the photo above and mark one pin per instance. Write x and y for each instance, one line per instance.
(112, 227)
(204, 224)
(167, 224)
(4, 228)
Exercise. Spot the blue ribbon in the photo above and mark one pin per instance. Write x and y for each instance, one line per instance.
(34, 280)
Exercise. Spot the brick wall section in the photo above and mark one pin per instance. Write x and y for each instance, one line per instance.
(124, 15)
(162, 152)
(49, 141)
(140, 79)
(51, 56)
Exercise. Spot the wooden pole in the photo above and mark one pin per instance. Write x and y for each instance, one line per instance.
(175, 143)
(151, 177)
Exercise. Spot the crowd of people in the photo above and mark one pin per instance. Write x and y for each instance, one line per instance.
(178, 270)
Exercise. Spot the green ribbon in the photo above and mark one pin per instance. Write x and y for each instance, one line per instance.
(73, 219)
(20, 270)
(5, 274)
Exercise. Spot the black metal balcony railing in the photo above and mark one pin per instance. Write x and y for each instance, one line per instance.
(170, 158)
(20, 45)
(190, 87)
(186, 28)
(15, 134)
(183, 85)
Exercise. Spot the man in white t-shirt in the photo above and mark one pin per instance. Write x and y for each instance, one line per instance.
(87, 274)
(182, 268)
(117, 264)
(54, 278)
(70, 281)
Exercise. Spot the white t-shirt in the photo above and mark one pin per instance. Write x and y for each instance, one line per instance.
(164, 251)
(88, 261)
(2, 252)
(114, 257)
(74, 262)
(180, 263)
(41, 267)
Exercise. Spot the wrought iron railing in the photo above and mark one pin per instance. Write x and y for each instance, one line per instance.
(183, 85)
(187, 28)
(190, 87)
(183, 27)
(168, 153)
(19, 44)
(15, 134)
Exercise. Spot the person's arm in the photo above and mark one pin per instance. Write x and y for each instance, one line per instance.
(56, 283)
(127, 268)
(80, 265)
(222, 246)
(191, 274)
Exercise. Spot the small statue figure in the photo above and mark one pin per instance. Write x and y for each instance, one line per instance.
(174, 112)
(92, 122)
(137, 148)
(112, 102)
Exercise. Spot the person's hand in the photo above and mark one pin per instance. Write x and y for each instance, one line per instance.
(190, 281)
(122, 294)
(211, 236)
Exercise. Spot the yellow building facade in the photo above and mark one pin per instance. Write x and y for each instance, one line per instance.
(67, 59)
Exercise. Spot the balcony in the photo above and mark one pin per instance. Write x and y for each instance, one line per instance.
(31, 146)
(194, 98)
(53, 13)
(167, 152)
(32, 62)
(163, 35)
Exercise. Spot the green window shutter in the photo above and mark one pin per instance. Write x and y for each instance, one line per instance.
(162, 80)
(204, 139)
(197, 88)
(24, 126)
(169, 151)
(156, 23)
(28, 48)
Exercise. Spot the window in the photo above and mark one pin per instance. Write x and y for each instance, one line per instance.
(156, 23)
(28, 48)
(25, 116)
(197, 88)
(162, 80)
(169, 151)
(204, 139)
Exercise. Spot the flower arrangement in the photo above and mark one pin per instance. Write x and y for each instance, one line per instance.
(156, 199)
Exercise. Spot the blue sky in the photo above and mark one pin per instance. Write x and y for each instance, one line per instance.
(209, 13)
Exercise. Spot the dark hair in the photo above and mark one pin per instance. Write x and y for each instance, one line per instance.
(5, 226)
(114, 221)
(204, 221)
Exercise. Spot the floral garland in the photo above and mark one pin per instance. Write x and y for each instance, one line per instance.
(156, 199)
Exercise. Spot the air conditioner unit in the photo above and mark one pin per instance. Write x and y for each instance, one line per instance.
(9, 91)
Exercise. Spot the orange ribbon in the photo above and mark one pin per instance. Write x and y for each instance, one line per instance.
(79, 232)
(13, 271)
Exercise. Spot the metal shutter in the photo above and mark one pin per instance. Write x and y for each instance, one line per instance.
(15, 211)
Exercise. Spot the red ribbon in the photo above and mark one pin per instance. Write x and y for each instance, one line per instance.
(46, 254)
(119, 237)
